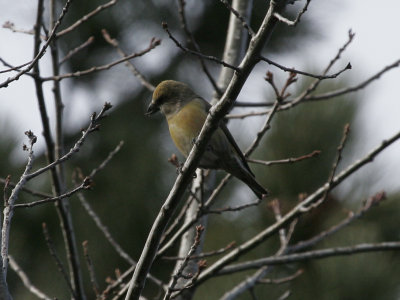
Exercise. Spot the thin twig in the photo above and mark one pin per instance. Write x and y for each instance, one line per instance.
(233, 208)
(290, 160)
(315, 254)
(372, 201)
(237, 15)
(93, 125)
(196, 53)
(53, 253)
(203, 255)
(74, 51)
(250, 114)
(192, 41)
(113, 42)
(9, 205)
(313, 86)
(281, 280)
(11, 26)
(178, 272)
(363, 84)
(153, 43)
(262, 131)
(12, 68)
(334, 167)
(297, 20)
(178, 219)
(86, 184)
(42, 50)
(26, 281)
(293, 70)
(89, 264)
(86, 17)
(109, 157)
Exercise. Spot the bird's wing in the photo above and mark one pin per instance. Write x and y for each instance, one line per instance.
(230, 138)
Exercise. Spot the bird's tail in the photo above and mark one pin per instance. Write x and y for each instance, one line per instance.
(249, 179)
(255, 187)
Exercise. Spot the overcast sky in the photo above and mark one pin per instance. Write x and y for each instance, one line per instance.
(376, 45)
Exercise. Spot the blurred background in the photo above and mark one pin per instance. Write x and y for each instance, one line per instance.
(129, 192)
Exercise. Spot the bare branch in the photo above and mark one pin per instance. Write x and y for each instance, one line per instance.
(290, 160)
(25, 279)
(53, 253)
(334, 167)
(86, 184)
(9, 205)
(316, 254)
(90, 267)
(288, 217)
(237, 15)
(42, 50)
(297, 20)
(196, 53)
(178, 272)
(74, 51)
(293, 70)
(129, 64)
(192, 41)
(153, 43)
(93, 125)
(86, 17)
(203, 255)
(355, 88)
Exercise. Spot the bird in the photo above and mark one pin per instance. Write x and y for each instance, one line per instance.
(186, 113)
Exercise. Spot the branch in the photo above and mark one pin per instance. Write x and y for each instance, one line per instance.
(203, 255)
(372, 201)
(42, 50)
(178, 273)
(93, 125)
(290, 160)
(129, 64)
(90, 267)
(192, 41)
(86, 184)
(355, 88)
(9, 205)
(237, 15)
(27, 283)
(196, 53)
(86, 17)
(316, 254)
(297, 210)
(297, 20)
(153, 43)
(293, 70)
(74, 51)
(53, 253)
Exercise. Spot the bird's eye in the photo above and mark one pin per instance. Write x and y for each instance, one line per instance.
(160, 100)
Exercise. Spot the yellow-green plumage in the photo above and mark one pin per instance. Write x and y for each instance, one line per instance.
(186, 113)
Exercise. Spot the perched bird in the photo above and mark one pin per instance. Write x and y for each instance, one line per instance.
(186, 113)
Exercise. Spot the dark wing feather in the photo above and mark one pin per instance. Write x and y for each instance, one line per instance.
(231, 140)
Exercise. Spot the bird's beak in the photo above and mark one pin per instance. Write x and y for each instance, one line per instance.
(152, 109)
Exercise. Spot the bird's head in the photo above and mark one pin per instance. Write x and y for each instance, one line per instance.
(169, 97)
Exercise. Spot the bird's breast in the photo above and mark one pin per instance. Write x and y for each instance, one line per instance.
(185, 125)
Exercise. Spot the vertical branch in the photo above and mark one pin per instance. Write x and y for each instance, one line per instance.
(57, 182)
(235, 43)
